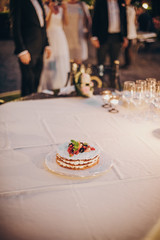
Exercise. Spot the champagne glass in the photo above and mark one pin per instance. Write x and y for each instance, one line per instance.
(157, 96)
(138, 94)
(158, 82)
(150, 90)
(143, 84)
(128, 91)
(151, 80)
(150, 97)
(157, 85)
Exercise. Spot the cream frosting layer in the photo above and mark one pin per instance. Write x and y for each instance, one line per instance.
(80, 166)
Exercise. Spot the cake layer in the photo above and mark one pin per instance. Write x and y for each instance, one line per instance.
(76, 166)
(77, 161)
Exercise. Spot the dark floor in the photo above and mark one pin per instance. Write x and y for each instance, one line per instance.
(146, 64)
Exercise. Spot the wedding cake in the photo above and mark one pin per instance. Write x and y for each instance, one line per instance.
(77, 155)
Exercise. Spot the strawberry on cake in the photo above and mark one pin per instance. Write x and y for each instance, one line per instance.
(77, 155)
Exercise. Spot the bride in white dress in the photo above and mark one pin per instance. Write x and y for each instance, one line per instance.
(56, 68)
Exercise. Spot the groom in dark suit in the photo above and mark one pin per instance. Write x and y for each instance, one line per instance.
(109, 29)
(29, 32)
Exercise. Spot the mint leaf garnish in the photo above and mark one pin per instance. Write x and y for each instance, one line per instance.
(75, 145)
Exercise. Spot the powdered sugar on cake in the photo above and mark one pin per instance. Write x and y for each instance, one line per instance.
(62, 151)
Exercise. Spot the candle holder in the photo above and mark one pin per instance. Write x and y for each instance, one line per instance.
(106, 95)
(114, 100)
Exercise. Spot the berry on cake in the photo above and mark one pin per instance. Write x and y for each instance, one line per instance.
(77, 155)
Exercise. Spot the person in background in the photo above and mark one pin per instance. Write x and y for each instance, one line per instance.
(144, 20)
(131, 33)
(29, 32)
(78, 30)
(56, 69)
(4, 5)
(109, 30)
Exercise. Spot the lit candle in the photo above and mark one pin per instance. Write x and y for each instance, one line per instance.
(106, 95)
(114, 101)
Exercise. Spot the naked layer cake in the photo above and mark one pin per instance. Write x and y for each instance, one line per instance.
(77, 155)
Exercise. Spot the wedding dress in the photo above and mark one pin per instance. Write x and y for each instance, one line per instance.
(56, 68)
(74, 31)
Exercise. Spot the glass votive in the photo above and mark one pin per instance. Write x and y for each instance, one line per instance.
(114, 100)
(106, 95)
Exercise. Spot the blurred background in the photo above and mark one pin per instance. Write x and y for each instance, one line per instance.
(146, 57)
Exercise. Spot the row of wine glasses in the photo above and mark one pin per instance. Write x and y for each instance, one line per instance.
(142, 91)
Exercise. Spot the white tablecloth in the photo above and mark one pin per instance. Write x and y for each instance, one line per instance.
(35, 204)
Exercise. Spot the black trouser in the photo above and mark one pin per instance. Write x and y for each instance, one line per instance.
(128, 52)
(31, 75)
(111, 47)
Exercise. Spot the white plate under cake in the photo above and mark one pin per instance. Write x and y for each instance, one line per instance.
(104, 165)
(77, 155)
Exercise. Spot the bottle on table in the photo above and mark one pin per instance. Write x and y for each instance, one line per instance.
(117, 81)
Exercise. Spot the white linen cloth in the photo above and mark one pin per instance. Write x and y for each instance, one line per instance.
(35, 204)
